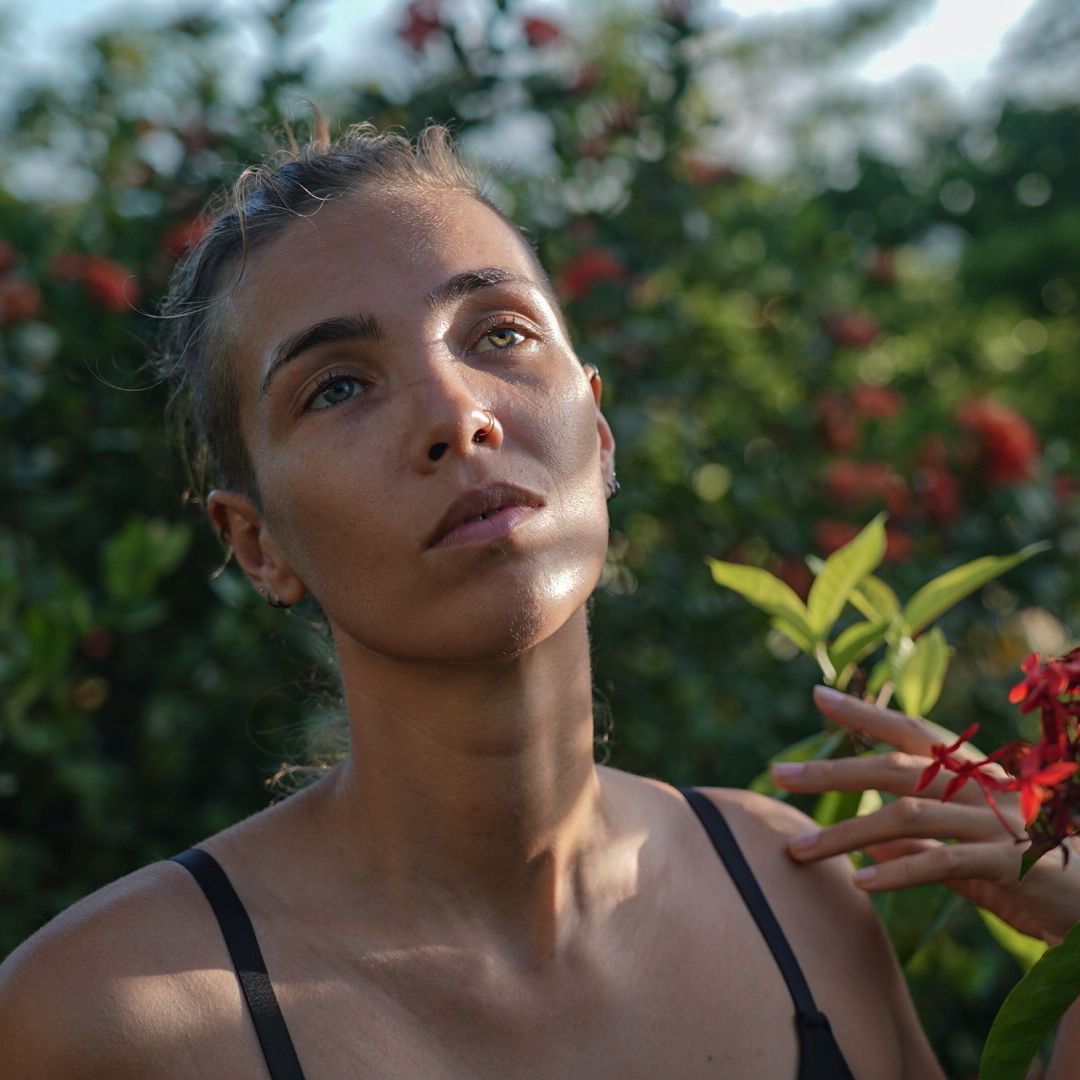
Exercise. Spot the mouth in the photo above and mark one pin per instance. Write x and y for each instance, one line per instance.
(485, 513)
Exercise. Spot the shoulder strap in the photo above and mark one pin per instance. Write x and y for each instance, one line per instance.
(820, 1057)
(239, 935)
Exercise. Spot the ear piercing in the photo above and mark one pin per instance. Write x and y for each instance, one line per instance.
(272, 598)
(485, 432)
(592, 372)
(612, 488)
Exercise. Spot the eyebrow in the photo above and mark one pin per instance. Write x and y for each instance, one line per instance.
(342, 328)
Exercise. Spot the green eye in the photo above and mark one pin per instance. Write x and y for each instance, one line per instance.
(502, 337)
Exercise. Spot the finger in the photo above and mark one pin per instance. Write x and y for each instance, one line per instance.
(897, 773)
(905, 818)
(943, 863)
(909, 733)
(888, 850)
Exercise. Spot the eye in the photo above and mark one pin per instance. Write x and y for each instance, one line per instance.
(334, 390)
(499, 336)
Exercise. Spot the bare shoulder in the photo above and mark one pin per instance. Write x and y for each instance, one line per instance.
(99, 987)
(836, 935)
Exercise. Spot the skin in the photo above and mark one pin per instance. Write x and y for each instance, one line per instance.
(468, 895)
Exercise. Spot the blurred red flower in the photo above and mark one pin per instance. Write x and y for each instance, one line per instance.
(876, 402)
(1008, 443)
(852, 329)
(839, 428)
(20, 300)
(540, 32)
(421, 21)
(860, 483)
(586, 270)
(938, 492)
(831, 534)
(183, 236)
(795, 574)
(110, 284)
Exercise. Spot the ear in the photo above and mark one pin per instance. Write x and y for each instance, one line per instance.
(239, 523)
(603, 429)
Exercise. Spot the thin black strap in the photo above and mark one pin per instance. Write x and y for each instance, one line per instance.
(277, 1045)
(820, 1057)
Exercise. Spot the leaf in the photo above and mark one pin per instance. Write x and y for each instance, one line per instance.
(937, 596)
(816, 747)
(765, 591)
(874, 600)
(921, 674)
(834, 806)
(843, 570)
(796, 633)
(1031, 1011)
(855, 642)
(913, 916)
(1023, 949)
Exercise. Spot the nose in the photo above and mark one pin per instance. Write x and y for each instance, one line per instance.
(450, 421)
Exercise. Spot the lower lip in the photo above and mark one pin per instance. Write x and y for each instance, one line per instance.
(483, 530)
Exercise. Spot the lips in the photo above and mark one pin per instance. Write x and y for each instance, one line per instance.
(480, 504)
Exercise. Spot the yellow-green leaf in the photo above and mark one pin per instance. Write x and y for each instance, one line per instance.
(921, 674)
(855, 642)
(843, 570)
(765, 591)
(937, 596)
(874, 600)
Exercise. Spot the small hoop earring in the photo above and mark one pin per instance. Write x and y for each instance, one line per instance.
(484, 432)
(612, 488)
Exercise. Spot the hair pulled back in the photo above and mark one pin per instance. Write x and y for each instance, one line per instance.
(193, 351)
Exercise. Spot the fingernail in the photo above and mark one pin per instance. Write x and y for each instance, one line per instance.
(787, 770)
(806, 840)
(866, 873)
(827, 693)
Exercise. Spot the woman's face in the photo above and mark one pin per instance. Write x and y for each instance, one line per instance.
(374, 341)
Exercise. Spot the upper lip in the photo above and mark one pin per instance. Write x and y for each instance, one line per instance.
(481, 500)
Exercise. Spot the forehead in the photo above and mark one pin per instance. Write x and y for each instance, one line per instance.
(370, 253)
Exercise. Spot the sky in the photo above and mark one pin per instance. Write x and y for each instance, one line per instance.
(947, 39)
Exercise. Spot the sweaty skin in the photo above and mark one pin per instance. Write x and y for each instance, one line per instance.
(468, 895)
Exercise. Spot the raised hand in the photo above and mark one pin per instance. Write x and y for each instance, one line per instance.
(916, 838)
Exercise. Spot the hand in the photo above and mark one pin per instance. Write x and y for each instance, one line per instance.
(906, 837)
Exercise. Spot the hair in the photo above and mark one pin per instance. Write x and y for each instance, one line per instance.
(193, 353)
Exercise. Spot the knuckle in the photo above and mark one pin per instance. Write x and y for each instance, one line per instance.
(897, 762)
(908, 810)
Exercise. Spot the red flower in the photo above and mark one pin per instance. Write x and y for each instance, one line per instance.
(837, 422)
(1008, 442)
(540, 32)
(876, 402)
(110, 284)
(1037, 780)
(938, 492)
(855, 483)
(421, 21)
(183, 236)
(583, 272)
(899, 545)
(852, 329)
(20, 300)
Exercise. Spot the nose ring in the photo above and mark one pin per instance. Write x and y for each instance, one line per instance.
(485, 431)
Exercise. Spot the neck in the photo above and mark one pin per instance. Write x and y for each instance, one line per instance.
(476, 784)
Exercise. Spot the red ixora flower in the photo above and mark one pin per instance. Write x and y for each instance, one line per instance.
(421, 21)
(109, 284)
(20, 300)
(540, 32)
(876, 402)
(1007, 441)
(183, 236)
(588, 269)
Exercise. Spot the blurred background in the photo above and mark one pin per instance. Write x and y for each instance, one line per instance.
(826, 255)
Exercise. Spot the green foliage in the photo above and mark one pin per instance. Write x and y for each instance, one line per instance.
(1032, 1010)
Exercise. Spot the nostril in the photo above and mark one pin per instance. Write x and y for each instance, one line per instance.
(437, 451)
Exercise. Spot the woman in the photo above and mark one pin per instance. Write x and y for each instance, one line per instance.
(400, 431)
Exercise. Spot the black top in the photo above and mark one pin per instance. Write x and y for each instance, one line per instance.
(819, 1056)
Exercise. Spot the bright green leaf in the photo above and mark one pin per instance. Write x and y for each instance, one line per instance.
(765, 591)
(843, 570)
(874, 600)
(855, 642)
(1031, 1011)
(921, 674)
(937, 596)
(836, 806)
